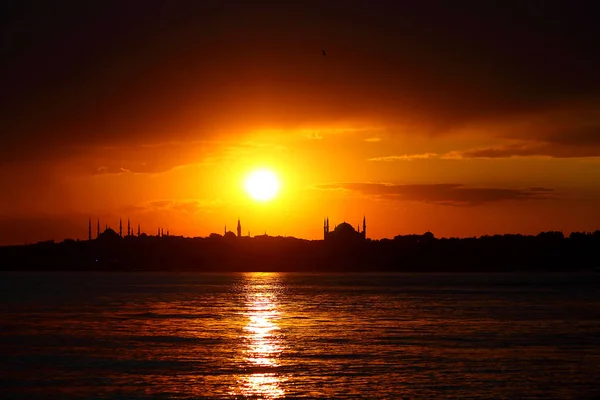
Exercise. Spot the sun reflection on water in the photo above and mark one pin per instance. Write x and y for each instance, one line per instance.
(261, 337)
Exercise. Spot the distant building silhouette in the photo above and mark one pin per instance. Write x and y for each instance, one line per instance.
(231, 234)
(109, 235)
(344, 232)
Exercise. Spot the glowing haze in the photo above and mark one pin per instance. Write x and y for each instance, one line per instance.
(462, 120)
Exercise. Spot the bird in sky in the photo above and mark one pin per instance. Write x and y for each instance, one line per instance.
(323, 52)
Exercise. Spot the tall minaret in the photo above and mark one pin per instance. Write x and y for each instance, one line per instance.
(128, 227)
(98, 229)
(364, 232)
(239, 228)
(139, 230)
(90, 229)
(225, 231)
(158, 233)
(120, 228)
(162, 232)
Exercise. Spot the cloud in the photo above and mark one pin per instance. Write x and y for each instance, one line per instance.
(582, 142)
(138, 159)
(407, 68)
(580, 136)
(529, 149)
(373, 139)
(188, 206)
(160, 204)
(442, 194)
(104, 170)
(405, 157)
(314, 136)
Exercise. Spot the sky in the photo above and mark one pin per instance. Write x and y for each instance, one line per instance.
(463, 118)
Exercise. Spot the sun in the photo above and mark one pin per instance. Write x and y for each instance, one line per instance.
(262, 184)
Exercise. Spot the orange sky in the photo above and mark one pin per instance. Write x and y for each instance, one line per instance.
(461, 121)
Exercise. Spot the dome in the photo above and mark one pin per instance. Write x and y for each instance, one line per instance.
(109, 234)
(344, 233)
(343, 228)
(229, 235)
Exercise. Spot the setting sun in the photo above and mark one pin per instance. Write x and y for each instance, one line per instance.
(262, 184)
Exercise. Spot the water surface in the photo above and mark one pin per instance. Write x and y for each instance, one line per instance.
(181, 336)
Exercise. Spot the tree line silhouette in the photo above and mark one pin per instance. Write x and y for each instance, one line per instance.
(547, 251)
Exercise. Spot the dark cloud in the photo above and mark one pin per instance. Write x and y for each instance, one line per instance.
(541, 189)
(442, 194)
(117, 73)
(582, 136)
(533, 149)
(575, 142)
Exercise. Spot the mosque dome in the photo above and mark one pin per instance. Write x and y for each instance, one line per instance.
(343, 228)
(109, 234)
(344, 232)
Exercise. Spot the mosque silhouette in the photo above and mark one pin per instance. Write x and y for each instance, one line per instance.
(342, 233)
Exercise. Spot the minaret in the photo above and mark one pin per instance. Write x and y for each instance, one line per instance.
(239, 229)
(120, 228)
(128, 227)
(162, 232)
(225, 231)
(98, 229)
(364, 232)
(90, 229)
(158, 233)
(139, 230)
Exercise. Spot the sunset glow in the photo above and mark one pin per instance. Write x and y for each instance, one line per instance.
(340, 113)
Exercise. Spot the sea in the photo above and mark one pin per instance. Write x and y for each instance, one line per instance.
(162, 335)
